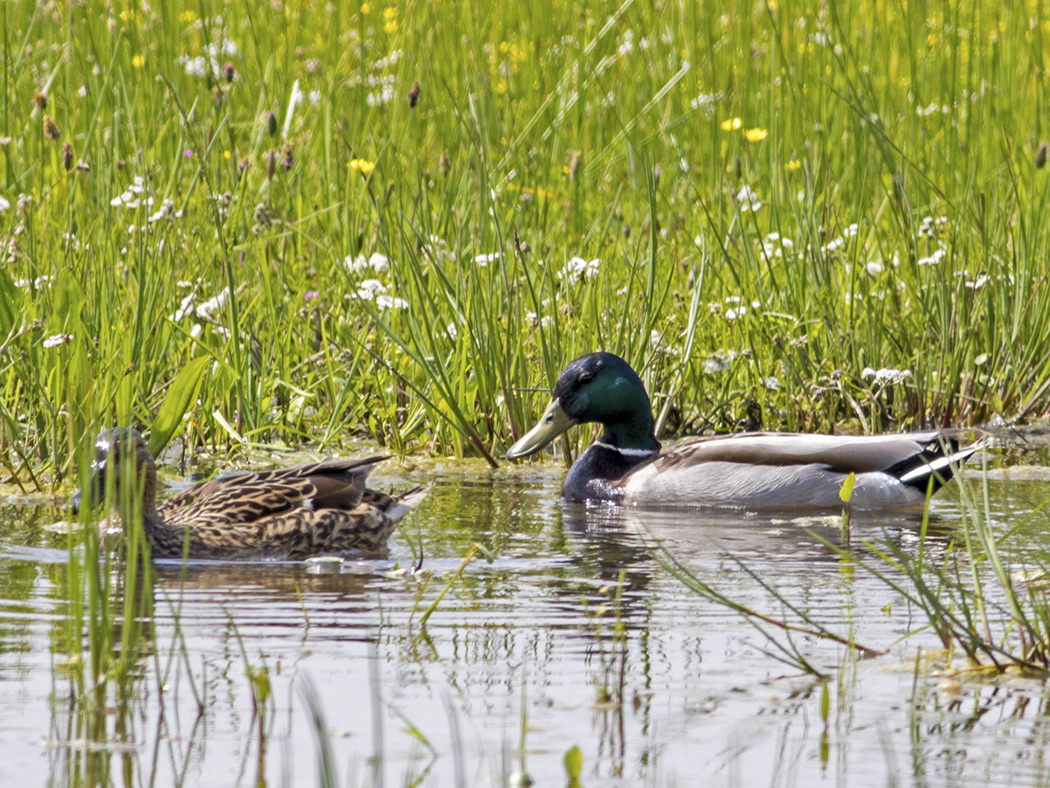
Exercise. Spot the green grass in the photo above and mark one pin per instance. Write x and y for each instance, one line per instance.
(542, 132)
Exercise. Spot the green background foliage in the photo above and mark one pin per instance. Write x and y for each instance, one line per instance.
(259, 150)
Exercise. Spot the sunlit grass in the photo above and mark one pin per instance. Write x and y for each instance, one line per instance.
(396, 220)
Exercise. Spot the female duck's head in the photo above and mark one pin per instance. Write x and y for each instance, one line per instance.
(598, 387)
(121, 456)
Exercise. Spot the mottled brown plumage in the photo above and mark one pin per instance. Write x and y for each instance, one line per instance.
(291, 513)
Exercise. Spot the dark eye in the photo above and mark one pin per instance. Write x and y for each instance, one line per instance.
(586, 378)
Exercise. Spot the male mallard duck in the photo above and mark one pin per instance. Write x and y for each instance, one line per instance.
(752, 470)
(293, 513)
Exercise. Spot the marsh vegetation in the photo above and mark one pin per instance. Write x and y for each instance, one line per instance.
(246, 229)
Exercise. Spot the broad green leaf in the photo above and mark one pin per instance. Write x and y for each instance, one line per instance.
(573, 763)
(180, 398)
(846, 492)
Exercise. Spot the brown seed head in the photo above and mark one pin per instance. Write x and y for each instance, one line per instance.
(1040, 155)
(413, 94)
(40, 100)
(51, 129)
(271, 164)
(229, 72)
(67, 156)
(444, 163)
(271, 123)
(288, 159)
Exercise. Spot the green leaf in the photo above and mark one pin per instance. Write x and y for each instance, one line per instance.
(847, 488)
(180, 398)
(10, 304)
(825, 703)
(69, 302)
(573, 763)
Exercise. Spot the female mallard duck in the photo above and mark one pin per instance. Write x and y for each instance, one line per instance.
(752, 470)
(288, 513)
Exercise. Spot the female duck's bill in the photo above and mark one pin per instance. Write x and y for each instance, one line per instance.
(769, 471)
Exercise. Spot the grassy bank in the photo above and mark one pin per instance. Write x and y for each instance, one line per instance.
(392, 220)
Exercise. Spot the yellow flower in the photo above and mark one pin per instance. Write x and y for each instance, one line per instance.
(188, 17)
(390, 26)
(731, 125)
(138, 61)
(389, 13)
(792, 165)
(755, 135)
(366, 9)
(227, 155)
(363, 166)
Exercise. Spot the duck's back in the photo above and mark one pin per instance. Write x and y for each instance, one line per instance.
(789, 471)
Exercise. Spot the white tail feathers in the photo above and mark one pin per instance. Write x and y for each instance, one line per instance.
(940, 464)
(407, 502)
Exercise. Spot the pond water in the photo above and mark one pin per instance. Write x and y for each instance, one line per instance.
(568, 631)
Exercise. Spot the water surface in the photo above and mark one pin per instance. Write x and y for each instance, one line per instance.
(573, 634)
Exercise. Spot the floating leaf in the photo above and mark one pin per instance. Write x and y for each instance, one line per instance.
(180, 397)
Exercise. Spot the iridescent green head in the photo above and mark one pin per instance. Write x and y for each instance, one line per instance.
(598, 387)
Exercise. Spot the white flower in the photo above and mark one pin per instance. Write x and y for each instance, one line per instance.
(315, 96)
(536, 320)
(978, 283)
(185, 308)
(36, 284)
(748, 200)
(771, 383)
(735, 312)
(57, 339)
(875, 267)
(850, 232)
(369, 288)
(705, 101)
(580, 269)
(390, 302)
(713, 365)
(383, 96)
(483, 260)
(130, 197)
(389, 60)
(4, 204)
(167, 208)
(376, 262)
(197, 66)
(627, 45)
(451, 331)
(206, 309)
(886, 375)
(933, 259)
